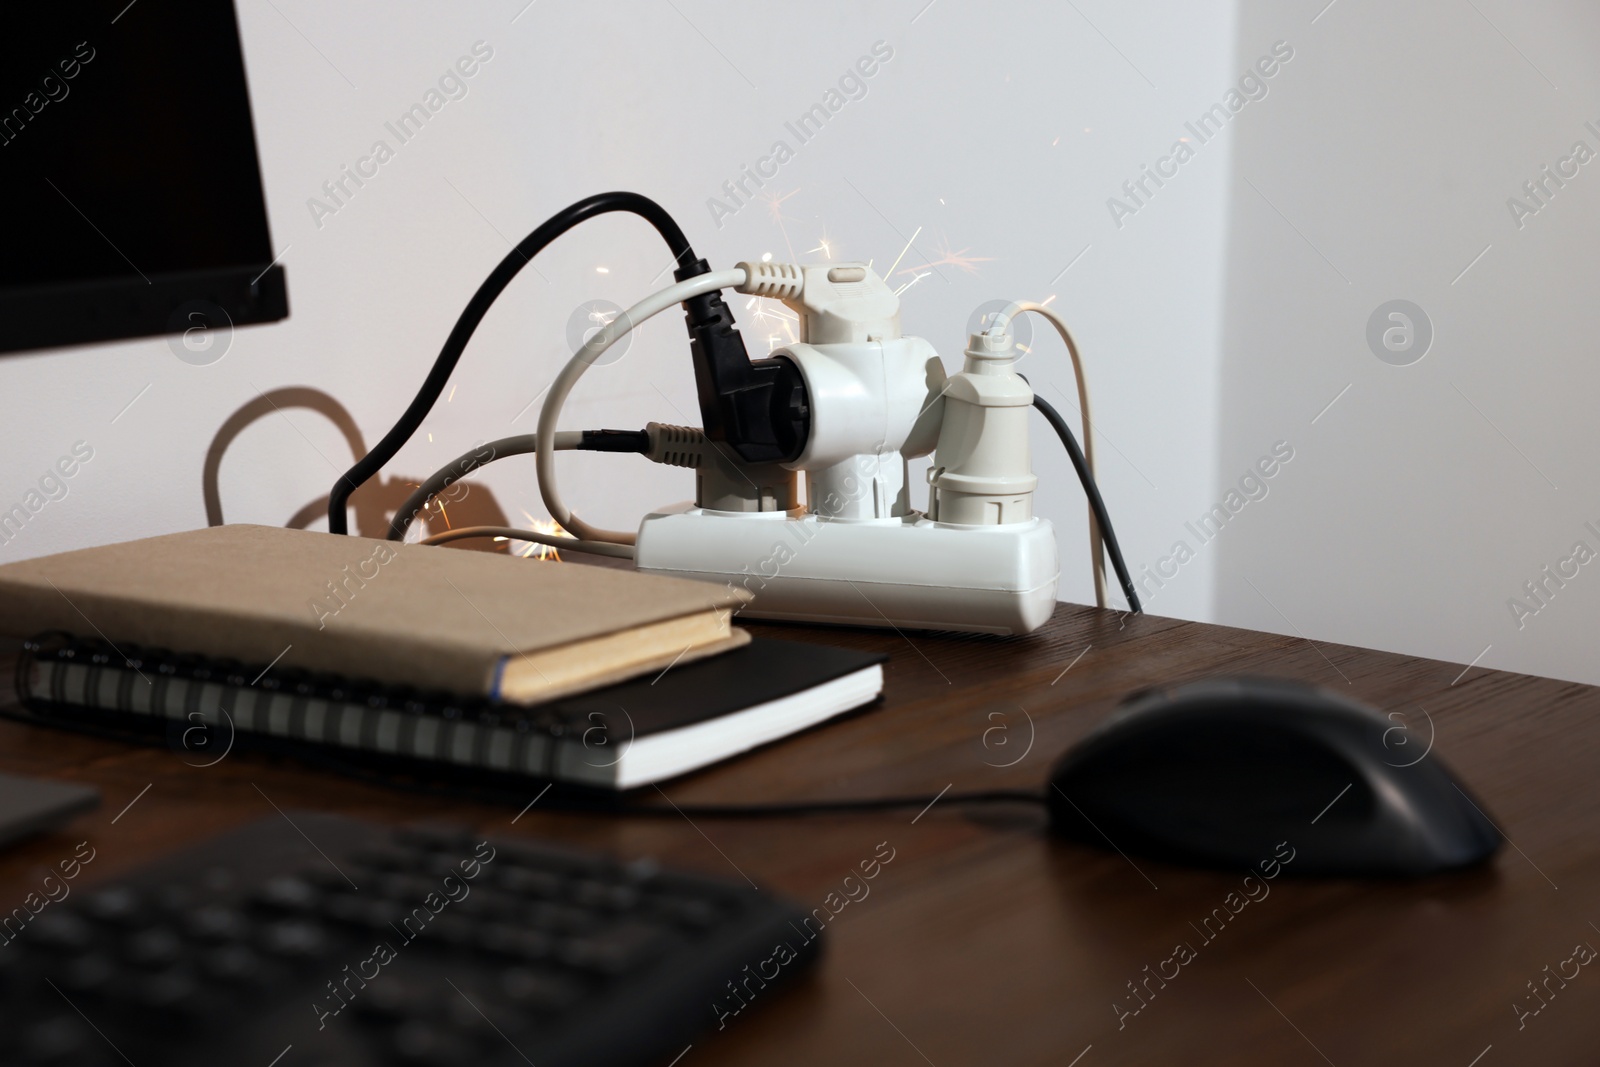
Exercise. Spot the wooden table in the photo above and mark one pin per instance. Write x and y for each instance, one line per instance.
(984, 941)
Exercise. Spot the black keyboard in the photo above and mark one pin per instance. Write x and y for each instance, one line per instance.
(336, 941)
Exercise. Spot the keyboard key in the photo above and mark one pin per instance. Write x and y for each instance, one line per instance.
(56, 1040)
(293, 938)
(215, 923)
(545, 885)
(61, 931)
(696, 914)
(429, 1045)
(433, 839)
(609, 895)
(171, 989)
(231, 964)
(387, 1001)
(614, 951)
(118, 907)
(87, 974)
(289, 894)
(173, 899)
(560, 919)
(154, 948)
(540, 991)
(407, 889)
(518, 943)
(384, 858)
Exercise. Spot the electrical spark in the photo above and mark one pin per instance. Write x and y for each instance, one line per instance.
(823, 247)
(949, 258)
(535, 550)
(903, 252)
(912, 282)
(781, 324)
(601, 316)
(774, 204)
(776, 317)
(771, 309)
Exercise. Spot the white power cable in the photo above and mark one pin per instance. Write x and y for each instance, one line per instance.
(1096, 544)
(582, 360)
(512, 533)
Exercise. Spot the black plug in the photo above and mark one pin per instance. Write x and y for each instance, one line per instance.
(759, 408)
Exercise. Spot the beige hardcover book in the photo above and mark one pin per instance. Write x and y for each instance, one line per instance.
(471, 623)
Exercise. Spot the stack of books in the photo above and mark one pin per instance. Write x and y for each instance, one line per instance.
(589, 675)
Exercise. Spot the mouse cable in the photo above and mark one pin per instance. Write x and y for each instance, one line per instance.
(585, 801)
(798, 808)
(1092, 491)
(590, 802)
(433, 385)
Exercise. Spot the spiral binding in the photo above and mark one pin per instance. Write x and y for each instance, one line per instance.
(160, 667)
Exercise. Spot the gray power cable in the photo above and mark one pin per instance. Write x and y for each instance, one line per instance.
(465, 464)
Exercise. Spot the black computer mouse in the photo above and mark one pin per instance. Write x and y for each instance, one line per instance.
(1234, 772)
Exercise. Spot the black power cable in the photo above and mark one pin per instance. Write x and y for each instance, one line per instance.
(1092, 491)
(473, 314)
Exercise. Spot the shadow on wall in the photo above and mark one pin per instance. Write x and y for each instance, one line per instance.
(375, 502)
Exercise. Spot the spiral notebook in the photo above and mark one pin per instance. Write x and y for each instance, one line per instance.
(437, 618)
(619, 737)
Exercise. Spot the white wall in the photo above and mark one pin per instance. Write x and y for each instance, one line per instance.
(1220, 318)
(999, 131)
(1421, 502)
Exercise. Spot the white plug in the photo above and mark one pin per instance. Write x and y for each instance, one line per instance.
(982, 471)
(838, 303)
(720, 483)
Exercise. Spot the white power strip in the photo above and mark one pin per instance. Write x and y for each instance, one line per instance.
(911, 573)
(858, 552)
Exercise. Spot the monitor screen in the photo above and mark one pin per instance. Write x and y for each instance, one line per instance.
(128, 167)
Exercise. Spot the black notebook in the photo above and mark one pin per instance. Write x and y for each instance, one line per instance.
(620, 737)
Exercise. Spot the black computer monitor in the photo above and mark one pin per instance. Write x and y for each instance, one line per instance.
(130, 193)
